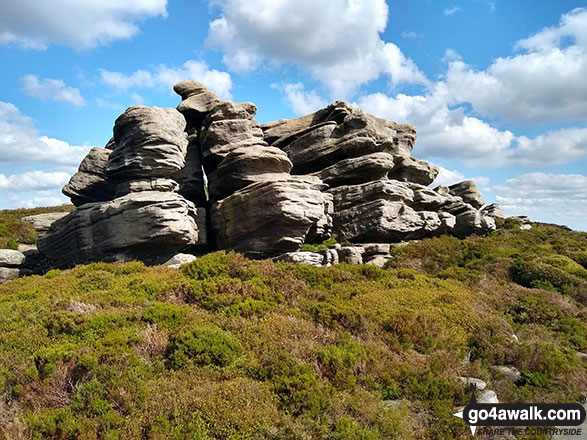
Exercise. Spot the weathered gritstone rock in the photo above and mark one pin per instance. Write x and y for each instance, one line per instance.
(156, 184)
(9, 274)
(384, 220)
(301, 257)
(335, 133)
(223, 136)
(177, 260)
(197, 102)
(245, 166)
(42, 222)
(144, 195)
(357, 170)
(493, 211)
(352, 195)
(351, 254)
(150, 142)
(149, 226)
(467, 190)
(90, 183)
(472, 222)
(410, 169)
(10, 258)
(191, 176)
(266, 219)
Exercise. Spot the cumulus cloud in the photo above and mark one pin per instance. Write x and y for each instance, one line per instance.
(51, 90)
(34, 180)
(164, 77)
(300, 101)
(20, 141)
(81, 24)
(546, 83)
(337, 41)
(446, 131)
(557, 198)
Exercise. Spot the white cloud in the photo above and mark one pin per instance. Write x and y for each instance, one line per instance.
(164, 77)
(544, 84)
(337, 41)
(556, 198)
(447, 132)
(34, 180)
(447, 177)
(51, 90)
(80, 24)
(20, 141)
(452, 11)
(300, 101)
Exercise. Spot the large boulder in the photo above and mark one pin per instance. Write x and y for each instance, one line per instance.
(493, 211)
(90, 183)
(353, 195)
(384, 221)
(357, 170)
(247, 165)
(269, 218)
(410, 169)
(149, 226)
(467, 190)
(197, 102)
(150, 142)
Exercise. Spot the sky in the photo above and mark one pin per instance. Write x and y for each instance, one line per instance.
(497, 90)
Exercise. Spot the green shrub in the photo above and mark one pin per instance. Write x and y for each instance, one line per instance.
(168, 315)
(201, 347)
(12, 244)
(534, 378)
(343, 363)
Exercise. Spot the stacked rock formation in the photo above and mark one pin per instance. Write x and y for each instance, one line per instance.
(379, 191)
(270, 189)
(137, 213)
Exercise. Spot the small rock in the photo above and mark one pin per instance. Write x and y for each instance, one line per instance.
(493, 211)
(525, 227)
(330, 256)
(582, 357)
(477, 383)
(177, 260)
(351, 255)
(8, 274)
(512, 373)
(11, 258)
(487, 396)
(377, 260)
(301, 257)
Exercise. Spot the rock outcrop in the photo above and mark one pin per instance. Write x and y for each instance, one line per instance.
(208, 176)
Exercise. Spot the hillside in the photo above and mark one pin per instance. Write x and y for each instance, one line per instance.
(231, 348)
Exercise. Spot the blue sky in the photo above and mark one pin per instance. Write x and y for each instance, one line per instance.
(496, 89)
